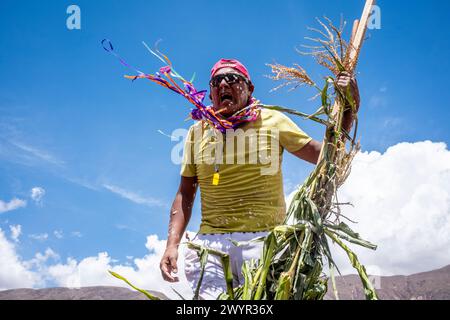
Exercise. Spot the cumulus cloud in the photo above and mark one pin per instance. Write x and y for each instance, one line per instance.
(39, 262)
(12, 205)
(16, 231)
(144, 273)
(402, 203)
(37, 193)
(14, 272)
(18, 273)
(48, 254)
(45, 269)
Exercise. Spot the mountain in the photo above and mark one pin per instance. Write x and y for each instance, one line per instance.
(432, 285)
(84, 293)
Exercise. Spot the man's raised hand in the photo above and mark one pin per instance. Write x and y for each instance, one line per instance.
(343, 81)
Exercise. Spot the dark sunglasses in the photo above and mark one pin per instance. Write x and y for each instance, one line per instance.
(230, 78)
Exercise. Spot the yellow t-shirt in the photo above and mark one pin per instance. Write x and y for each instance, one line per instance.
(249, 195)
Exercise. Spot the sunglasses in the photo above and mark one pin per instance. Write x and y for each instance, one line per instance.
(230, 78)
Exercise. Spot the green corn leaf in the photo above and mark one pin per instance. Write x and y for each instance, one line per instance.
(317, 292)
(245, 243)
(369, 290)
(203, 252)
(357, 241)
(228, 273)
(295, 112)
(324, 98)
(146, 293)
(317, 220)
(248, 286)
(223, 296)
(268, 252)
(179, 294)
(344, 228)
(336, 60)
(203, 255)
(333, 281)
(284, 287)
(319, 111)
(326, 250)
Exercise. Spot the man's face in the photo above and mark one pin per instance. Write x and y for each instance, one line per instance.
(230, 98)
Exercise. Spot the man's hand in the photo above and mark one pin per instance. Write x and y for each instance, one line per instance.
(168, 264)
(343, 81)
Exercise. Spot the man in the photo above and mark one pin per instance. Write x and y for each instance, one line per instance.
(239, 202)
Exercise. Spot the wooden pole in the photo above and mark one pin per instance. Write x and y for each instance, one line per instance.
(358, 39)
(323, 197)
(354, 30)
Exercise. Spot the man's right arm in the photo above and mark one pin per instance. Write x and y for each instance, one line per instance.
(310, 152)
(180, 215)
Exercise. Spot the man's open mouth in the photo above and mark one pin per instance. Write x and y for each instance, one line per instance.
(226, 97)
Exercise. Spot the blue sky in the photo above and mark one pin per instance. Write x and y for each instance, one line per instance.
(72, 125)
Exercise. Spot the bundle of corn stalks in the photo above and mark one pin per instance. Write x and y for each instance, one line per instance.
(291, 266)
(293, 257)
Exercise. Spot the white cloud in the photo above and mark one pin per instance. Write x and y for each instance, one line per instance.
(13, 271)
(402, 203)
(34, 153)
(76, 234)
(18, 273)
(14, 149)
(48, 254)
(12, 205)
(92, 271)
(39, 237)
(39, 262)
(16, 231)
(37, 193)
(58, 234)
(134, 197)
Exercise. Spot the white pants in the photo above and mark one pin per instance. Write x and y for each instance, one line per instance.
(213, 283)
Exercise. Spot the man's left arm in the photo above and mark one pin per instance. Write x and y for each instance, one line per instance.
(311, 151)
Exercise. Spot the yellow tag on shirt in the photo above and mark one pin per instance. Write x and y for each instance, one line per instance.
(216, 179)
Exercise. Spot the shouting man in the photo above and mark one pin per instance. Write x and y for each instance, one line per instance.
(242, 195)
